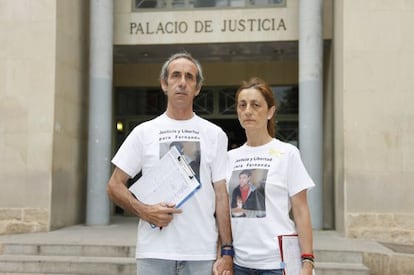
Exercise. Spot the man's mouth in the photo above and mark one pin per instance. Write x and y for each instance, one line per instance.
(180, 93)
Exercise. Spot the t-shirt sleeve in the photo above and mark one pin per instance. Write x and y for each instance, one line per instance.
(219, 165)
(298, 178)
(128, 157)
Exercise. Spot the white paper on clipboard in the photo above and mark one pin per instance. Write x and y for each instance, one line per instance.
(291, 254)
(170, 180)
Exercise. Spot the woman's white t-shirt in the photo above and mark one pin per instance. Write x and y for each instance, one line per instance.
(278, 173)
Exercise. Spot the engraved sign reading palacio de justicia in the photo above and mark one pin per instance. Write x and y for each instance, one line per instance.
(247, 25)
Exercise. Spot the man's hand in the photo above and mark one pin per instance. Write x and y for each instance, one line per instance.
(160, 214)
(223, 266)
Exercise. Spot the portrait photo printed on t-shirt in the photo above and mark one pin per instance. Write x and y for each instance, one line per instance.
(189, 149)
(247, 193)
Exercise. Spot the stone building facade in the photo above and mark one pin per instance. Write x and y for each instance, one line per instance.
(368, 119)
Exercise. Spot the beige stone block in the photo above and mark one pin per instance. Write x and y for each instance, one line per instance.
(42, 85)
(375, 151)
(407, 19)
(15, 43)
(15, 227)
(39, 152)
(407, 141)
(26, 11)
(25, 228)
(42, 38)
(378, 264)
(13, 221)
(14, 114)
(70, 22)
(40, 119)
(405, 221)
(401, 236)
(11, 194)
(36, 215)
(372, 191)
(36, 189)
(10, 214)
(402, 264)
(15, 154)
(123, 6)
(67, 157)
(26, 83)
(356, 220)
(3, 70)
(402, 76)
(379, 227)
(386, 220)
(67, 117)
(42, 10)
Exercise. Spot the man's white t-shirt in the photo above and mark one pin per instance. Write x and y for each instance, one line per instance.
(278, 173)
(192, 235)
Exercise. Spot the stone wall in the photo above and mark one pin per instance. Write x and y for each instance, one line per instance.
(23, 220)
(393, 227)
(374, 71)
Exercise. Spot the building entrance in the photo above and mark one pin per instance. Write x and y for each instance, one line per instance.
(214, 103)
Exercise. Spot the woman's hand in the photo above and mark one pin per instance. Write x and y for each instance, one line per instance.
(306, 269)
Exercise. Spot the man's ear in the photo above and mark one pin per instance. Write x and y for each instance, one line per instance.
(198, 91)
(164, 86)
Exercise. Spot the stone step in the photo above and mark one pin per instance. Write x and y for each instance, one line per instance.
(129, 251)
(68, 250)
(30, 264)
(323, 268)
(67, 264)
(336, 256)
(61, 258)
(23, 264)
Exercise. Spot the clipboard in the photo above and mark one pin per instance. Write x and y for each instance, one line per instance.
(170, 180)
(290, 254)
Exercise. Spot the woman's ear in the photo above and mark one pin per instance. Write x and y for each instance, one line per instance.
(271, 112)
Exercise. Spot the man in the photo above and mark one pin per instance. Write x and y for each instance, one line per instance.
(185, 240)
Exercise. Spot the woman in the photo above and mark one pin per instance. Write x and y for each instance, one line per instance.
(278, 170)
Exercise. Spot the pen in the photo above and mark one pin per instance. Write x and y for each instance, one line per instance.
(153, 226)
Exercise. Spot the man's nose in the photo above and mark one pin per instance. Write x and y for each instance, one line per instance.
(182, 81)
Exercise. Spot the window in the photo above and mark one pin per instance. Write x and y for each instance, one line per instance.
(142, 5)
(215, 103)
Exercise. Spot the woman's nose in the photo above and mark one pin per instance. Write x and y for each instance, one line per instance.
(248, 109)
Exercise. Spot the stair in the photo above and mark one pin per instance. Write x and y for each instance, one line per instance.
(67, 259)
(112, 259)
(336, 262)
(110, 249)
